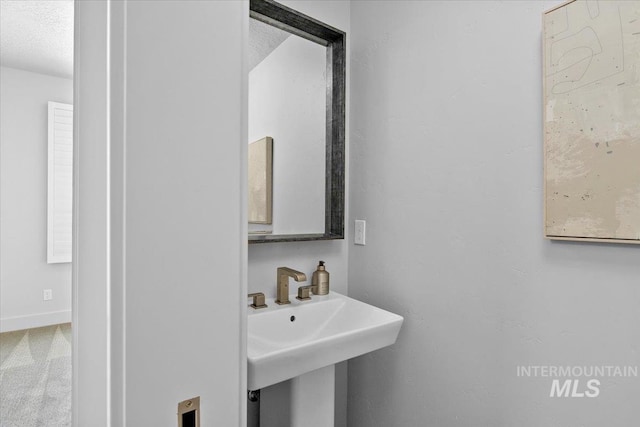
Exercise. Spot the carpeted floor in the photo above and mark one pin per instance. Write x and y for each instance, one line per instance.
(35, 377)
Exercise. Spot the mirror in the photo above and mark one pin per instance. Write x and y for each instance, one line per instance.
(296, 103)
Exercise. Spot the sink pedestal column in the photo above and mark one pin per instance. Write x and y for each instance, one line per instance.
(313, 398)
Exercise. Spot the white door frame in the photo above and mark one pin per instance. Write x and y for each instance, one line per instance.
(92, 370)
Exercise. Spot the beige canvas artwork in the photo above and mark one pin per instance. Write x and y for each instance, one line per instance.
(592, 121)
(260, 171)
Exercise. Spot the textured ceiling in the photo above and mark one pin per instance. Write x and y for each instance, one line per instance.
(263, 39)
(37, 36)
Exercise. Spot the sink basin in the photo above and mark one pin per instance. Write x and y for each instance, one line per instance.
(286, 341)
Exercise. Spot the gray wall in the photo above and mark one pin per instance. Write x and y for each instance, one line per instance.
(24, 272)
(446, 167)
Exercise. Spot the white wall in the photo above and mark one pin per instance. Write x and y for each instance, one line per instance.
(24, 272)
(264, 259)
(446, 167)
(161, 131)
(287, 101)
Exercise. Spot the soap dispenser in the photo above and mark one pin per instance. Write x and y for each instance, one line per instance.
(320, 280)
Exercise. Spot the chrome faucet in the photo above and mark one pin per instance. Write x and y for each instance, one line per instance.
(282, 289)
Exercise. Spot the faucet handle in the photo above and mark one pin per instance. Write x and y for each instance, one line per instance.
(258, 300)
(303, 293)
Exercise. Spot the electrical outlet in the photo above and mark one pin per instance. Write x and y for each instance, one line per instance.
(360, 237)
(47, 294)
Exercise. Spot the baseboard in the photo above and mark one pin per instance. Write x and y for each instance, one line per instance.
(8, 324)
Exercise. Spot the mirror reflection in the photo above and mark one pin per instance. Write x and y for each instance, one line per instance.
(287, 103)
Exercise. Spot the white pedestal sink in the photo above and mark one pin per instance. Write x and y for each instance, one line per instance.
(303, 340)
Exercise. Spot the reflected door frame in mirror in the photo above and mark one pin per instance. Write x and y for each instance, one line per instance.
(290, 20)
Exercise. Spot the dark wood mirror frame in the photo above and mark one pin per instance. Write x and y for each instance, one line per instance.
(287, 19)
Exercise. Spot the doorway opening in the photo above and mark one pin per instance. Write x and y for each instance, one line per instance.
(36, 152)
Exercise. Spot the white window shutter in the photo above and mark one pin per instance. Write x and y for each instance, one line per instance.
(60, 183)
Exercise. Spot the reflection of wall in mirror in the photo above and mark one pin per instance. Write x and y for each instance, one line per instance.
(287, 100)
